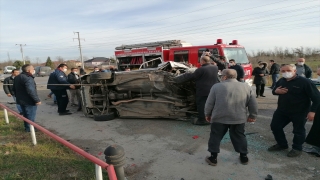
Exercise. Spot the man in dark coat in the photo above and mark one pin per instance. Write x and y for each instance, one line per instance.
(274, 72)
(238, 68)
(8, 87)
(294, 106)
(205, 77)
(58, 83)
(302, 69)
(25, 90)
(260, 79)
(73, 78)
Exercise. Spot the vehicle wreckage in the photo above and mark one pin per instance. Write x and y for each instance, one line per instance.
(144, 93)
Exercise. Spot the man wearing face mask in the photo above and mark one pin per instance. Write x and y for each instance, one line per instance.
(58, 83)
(223, 116)
(95, 70)
(25, 90)
(238, 68)
(302, 69)
(260, 73)
(294, 105)
(73, 78)
(8, 85)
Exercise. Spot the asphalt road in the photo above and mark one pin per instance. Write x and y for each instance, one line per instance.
(168, 149)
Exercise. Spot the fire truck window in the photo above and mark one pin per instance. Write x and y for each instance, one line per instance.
(212, 51)
(238, 54)
(181, 56)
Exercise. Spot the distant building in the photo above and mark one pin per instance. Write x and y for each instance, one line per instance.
(96, 61)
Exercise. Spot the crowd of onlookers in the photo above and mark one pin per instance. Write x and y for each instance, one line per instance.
(223, 100)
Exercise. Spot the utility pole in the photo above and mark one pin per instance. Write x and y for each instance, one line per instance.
(24, 62)
(82, 63)
(8, 56)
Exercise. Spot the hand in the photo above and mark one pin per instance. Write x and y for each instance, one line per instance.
(72, 86)
(9, 95)
(261, 74)
(281, 90)
(208, 118)
(38, 103)
(310, 116)
(251, 120)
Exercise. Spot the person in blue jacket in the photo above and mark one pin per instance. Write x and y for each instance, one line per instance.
(58, 84)
(24, 87)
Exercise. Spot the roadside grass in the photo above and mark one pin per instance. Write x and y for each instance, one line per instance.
(20, 159)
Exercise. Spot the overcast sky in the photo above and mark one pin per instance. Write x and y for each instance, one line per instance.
(47, 26)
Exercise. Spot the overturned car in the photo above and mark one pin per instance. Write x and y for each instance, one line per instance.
(143, 93)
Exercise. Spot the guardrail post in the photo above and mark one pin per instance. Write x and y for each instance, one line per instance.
(115, 155)
(98, 172)
(33, 135)
(6, 115)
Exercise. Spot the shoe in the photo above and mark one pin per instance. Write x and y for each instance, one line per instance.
(55, 102)
(21, 113)
(244, 159)
(294, 153)
(271, 87)
(65, 113)
(79, 109)
(262, 96)
(277, 148)
(211, 160)
(201, 123)
(257, 96)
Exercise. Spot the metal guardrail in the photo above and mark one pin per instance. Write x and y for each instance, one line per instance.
(98, 163)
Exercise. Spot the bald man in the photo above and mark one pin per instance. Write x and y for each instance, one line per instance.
(302, 69)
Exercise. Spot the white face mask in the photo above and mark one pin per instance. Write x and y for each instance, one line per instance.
(96, 70)
(33, 72)
(301, 63)
(75, 72)
(261, 66)
(231, 64)
(65, 70)
(287, 75)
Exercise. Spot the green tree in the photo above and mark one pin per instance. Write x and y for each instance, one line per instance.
(18, 64)
(49, 63)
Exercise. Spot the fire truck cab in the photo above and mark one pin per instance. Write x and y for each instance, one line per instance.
(134, 55)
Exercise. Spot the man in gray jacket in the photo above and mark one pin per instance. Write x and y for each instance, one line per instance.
(226, 108)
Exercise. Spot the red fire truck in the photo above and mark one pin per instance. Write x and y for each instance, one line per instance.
(134, 55)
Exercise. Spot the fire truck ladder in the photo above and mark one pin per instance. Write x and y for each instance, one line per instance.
(167, 43)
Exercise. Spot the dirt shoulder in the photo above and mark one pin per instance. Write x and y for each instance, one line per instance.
(167, 149)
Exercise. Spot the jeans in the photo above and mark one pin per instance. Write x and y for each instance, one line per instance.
(260, 89)
(275, 78)
(18, 106)
(62, 99)
(29, 112)
(280, 120)
(237, 136)
(201, 102)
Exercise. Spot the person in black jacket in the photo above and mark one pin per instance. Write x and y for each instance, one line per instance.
(73, 78)
(274, 72)
(58, 83)
(302, 69)
(260, 79)
(221, 62)
(24, 87)
(8, 85)
(295, 94)
(205, 77)
(238, 68)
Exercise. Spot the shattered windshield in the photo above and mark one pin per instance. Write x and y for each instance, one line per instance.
(238, 54)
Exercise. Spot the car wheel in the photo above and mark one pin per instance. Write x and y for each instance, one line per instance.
(104, 117)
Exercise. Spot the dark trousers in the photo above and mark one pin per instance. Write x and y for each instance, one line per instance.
(281, 120)
(275, 78)
(201, 102)
(237, 136)
(28, 112)
(313, 136)
(260, 89)
(62, 99)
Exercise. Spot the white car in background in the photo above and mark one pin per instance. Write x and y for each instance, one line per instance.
(8, 69)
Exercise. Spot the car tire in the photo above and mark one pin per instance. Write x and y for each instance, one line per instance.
(104, 117)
